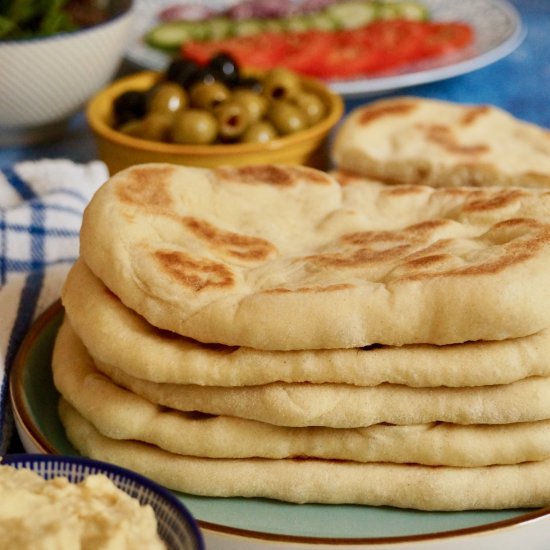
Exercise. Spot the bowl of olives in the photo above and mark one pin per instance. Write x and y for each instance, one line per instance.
(214, 115)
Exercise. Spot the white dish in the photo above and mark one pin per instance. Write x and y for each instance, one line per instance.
(496, 23)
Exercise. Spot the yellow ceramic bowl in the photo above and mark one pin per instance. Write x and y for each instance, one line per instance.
(118, 151)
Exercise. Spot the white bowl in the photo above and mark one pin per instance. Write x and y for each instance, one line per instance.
(44, 81)
(176, 526)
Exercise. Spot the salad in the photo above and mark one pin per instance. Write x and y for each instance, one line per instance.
(32, 18)
(328, 39)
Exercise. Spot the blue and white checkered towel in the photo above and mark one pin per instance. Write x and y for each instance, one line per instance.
(41, 205)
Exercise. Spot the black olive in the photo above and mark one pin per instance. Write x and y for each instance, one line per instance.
(227, 67)
(182, 71)
(250, 83)
(206, 75)
(129, 105)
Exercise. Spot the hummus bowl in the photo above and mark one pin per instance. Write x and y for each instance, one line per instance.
(175, 524)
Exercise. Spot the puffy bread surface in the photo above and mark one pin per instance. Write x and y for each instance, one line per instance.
(125, 415)
(380, 483)
(444, 144)
(283, 258)
(143, 351)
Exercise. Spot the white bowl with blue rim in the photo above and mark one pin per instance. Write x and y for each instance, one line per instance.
(176, 526)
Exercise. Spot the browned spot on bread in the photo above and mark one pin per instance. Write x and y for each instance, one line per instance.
(239, 246)
(396, 108)
(146, 187)
(426, 228)
(444, 137)
(365, 238)
(514, 252)
(527, 223)
(281, 176)
(403, 190)
(346, 177)
(328, 288)
(494, 201)
(538, 177)
(473, 113)
(194, 273)
(433, 260)
(364, 256)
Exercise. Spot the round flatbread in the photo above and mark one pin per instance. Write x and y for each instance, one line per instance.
(412, 140)
(339, 405)
(322, 481)
(124, 415)
(282, 258)
(116, 335)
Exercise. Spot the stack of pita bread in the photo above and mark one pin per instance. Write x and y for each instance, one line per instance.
(270, 331)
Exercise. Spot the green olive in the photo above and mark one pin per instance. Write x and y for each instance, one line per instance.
(233, 120)
(254, 103)
(312, 105)
(194, 127)
(286, 117)
(281, 84)
(208, 96)
(154, 127)
(259, 132)
(167, 98)
(131, 128)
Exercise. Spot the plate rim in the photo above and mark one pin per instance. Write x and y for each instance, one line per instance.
(21, 415)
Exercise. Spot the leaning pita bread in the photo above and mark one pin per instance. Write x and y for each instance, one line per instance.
(124, 415)
(118, 336)
(444, 144)
(323, 481)
(276, 257)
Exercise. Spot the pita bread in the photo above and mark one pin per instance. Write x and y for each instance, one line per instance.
(118, 336)
(283, 258)
(337, 405)
(124, 415)
(408, 140)
(322, 481)
(345, 406)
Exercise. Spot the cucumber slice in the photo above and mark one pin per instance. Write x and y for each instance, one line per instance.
(413, 11)
(274, 25)
(297, 23)
(169, 36)
(322, 22)
(353, 13)
(218, 28)
(247, 27)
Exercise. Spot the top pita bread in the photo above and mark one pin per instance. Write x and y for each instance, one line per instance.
(414, 140)
(284, 258)
(116, 335)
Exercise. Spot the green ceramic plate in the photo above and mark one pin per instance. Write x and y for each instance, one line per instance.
(34, 400)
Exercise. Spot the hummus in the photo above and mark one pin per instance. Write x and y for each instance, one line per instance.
(57, 514)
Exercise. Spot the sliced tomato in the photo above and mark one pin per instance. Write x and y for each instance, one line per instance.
(442, 38)
(378, 47)
(346, 56)
(261, 51)
(307, 50)
(398, 42)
